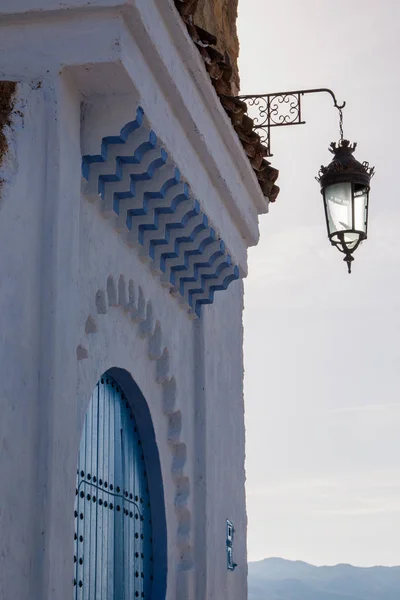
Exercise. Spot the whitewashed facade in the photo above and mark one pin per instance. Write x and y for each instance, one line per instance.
(99, 270)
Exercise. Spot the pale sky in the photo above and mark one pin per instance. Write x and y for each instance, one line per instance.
(322, 349)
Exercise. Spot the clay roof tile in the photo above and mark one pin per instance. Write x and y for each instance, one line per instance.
(219, 68)
(186, 8)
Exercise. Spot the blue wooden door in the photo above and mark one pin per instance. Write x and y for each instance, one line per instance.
(113, 533)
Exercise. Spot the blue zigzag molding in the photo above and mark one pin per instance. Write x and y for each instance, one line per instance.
(175, 253)
(142, 190)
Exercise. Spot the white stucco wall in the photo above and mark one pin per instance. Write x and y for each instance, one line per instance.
(82, 70)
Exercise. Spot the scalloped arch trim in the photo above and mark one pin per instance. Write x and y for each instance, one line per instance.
(128, 297)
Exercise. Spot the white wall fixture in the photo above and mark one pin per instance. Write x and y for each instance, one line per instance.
(230, 533)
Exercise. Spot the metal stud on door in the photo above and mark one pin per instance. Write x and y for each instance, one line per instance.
(113, 534)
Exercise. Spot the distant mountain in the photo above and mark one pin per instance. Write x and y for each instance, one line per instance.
(279, 579)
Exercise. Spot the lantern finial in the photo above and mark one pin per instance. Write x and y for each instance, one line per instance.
(348, 259)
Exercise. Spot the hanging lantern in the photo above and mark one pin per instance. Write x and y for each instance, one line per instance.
(345, 185)
(344, 182)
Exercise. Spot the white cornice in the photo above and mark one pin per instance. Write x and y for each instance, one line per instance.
(191, 57)
(198, 105)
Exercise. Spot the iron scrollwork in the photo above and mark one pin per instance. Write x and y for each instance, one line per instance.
(278, 110)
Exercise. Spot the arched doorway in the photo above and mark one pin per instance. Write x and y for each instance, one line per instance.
(114, 550)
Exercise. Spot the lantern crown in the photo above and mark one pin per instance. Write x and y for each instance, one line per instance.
(344, 166)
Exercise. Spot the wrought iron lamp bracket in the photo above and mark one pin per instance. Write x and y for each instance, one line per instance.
(281, 109)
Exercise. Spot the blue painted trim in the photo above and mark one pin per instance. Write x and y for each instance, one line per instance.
(140, 151)
(152, 216)
(195, 252)
(202, 265)
(148, 196)
(193, 212)
(204, 277)
(176, 252)
(154, 477)
(215, 288)
(129, 128)
(118, 175)
(135, 177)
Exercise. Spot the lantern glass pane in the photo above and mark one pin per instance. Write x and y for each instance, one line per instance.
(338, 200)
(360, 208)
(351, 240)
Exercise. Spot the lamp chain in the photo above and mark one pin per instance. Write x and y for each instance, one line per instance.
(341, 123)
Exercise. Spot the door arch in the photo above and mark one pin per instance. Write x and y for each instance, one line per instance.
(114, 547)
